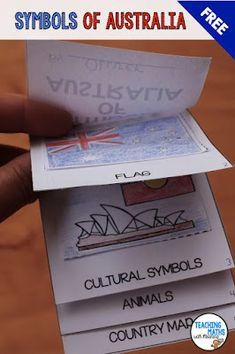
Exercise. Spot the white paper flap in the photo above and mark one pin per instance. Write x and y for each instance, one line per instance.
(112, 239)
(164, 300)
(142, 334)
(101, 84)
(132, 109)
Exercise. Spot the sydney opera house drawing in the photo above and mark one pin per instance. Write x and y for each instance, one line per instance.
(116, 225)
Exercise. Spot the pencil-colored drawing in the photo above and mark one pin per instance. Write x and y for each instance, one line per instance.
(144, 140)
(140, 192)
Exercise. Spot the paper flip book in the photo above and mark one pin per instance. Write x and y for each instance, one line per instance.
(132, 230)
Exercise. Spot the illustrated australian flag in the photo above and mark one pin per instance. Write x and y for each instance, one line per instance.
(146, 140)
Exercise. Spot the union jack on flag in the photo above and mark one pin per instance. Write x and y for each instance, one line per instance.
(85, 140)
(103, 145)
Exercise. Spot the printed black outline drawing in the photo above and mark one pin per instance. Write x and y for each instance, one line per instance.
(104, 229)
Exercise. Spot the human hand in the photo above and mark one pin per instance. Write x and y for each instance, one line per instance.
(15, 168)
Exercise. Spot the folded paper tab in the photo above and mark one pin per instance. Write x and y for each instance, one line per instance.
(143, 334)
(143, 304)
(100, 244)
(130, 110)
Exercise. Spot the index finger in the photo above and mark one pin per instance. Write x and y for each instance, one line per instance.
(18, 115)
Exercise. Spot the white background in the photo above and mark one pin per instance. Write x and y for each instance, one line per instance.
(10, 7)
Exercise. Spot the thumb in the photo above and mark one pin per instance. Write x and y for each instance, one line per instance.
(15, 185)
